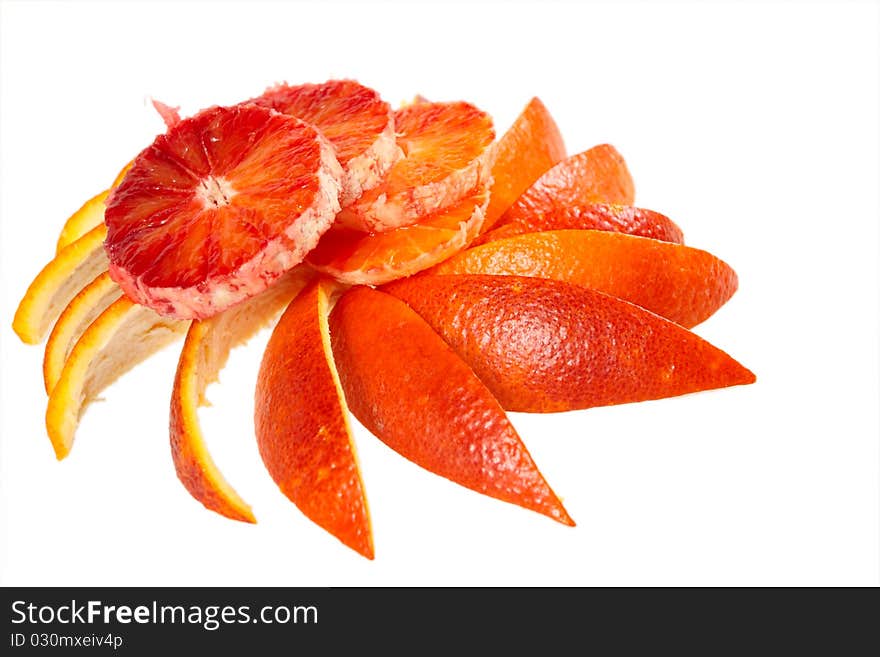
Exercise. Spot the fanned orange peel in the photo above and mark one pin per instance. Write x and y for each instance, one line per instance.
(428, 278)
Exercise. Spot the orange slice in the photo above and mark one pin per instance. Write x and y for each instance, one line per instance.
(354, 257)
(204, 354)
(60, 280)
(88, 216)
(124, 335)
(598, 175)
(355, 119)
(82, 310)
(302, 426)
(446, 157)
(530, 147)
(681, 283)
(218, 208)
(410, 389)
(598, 216)
(542, 346)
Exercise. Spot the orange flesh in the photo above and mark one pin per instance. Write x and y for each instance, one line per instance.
(681, 283)
(301, 422)
(411, 390)
(543, 346)
(530, 147)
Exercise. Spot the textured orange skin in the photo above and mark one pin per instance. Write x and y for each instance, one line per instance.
(410, 389)
(598, 175)
(681, 283)
(300, 421)
(544, 346)
(598, 216)
(530, 147)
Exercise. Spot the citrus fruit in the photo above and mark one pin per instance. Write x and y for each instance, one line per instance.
(356, 257)
(170, 115)
(218, 208)
(411, 390)
(542, 345)
(681, 283)
(82, 310)
(597, 216)
(301, 421)
(530, 147)
(122, 336)
(205, 351)
(354, 118)
(598, 175)
(73, 267)
(446, 157)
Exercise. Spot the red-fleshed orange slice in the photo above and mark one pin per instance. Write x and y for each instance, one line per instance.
(598, 175)
(301, 421)
(598, 216)
(542, 346)
(355, 119)
(122, 336)
(205, 352)
(82, 310)
(218, 208)
(446, 157)
(74, 267)
(411, 390)
(531, 146)
(170, 115)
(359, 258)
(681, 283)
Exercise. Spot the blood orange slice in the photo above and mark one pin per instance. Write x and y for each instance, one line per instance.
(218, 208)
(359, 258)
(358, 123)
(446, 157)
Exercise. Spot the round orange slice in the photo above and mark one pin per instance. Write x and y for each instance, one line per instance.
(355, 119)
(446, 157)
(218, 208)
(681, 283)
(205, 352)
(359, 258)
(598, 175)
(530, 147)
(301, 422)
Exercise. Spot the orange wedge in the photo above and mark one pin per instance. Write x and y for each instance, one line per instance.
(410, 389)
(354, 257)
(598, 216)
(88, 216)
(598, 175)
(681, 283)
(446, 157)
(542, 346)
(82, 310)
(73, 268)
(124, 335)
(205, 351)
(301, 422)
(531, 146)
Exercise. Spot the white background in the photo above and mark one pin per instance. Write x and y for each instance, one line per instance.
(754, 126)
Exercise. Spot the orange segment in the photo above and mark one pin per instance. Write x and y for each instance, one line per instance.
(358, 123)
(681, 283)
(542, 346)
(354, 257)
(60, 280)
(204, 354)
(410, 389)
(218, 208)
(446, 157)
(598, 175)
(82, 310)
(301, 422)
(530, 147)
(598, 216)
(124, 335)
